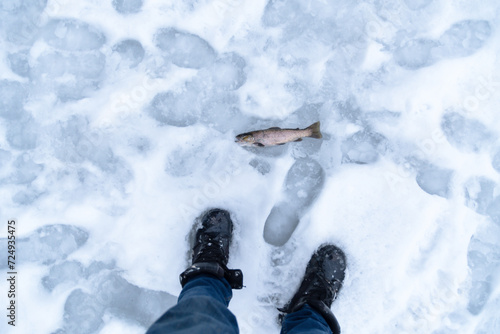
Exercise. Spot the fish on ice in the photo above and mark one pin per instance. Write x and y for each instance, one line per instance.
(277, 136)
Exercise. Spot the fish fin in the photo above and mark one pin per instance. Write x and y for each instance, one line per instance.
(274, 128)
(259, 144)
(300, 139)
(281, 144)
(315, 131)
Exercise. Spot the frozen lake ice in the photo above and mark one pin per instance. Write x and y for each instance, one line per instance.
(117, 126)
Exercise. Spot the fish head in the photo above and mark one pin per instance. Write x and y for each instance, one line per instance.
(245, 139)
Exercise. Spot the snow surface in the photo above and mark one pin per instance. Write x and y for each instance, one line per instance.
(117, 125)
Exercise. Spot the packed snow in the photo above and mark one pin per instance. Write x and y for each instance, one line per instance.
(117, 126)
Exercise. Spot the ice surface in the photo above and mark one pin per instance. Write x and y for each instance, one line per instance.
(305, 115)
(50, 243)
(82, 313)
(105, 159)
(493, 210)
(20, 20)
(127, 6)
(260, 165)
(308, 147)
(463, 38)
(49, 64)
(478, 296)
(12, 6)
(349, 110)
(26, 196)
(13, 95)
(280, 12)
(73, 144)
(4, 157)
(19, 63)
(20, 7)
(208, 70)
(97, 266)
(417, 4)
(141, 144)
(479, 193)
(76, 142)
(492, 325)
(64, 272)
(362, 147)
(483, 259)
(465, 133)
(435, 180)
(87, 65)
(23, 134)
(280, 224)
(495, 161)
(25, 170)
(73, 76)
(271, 151)
(303, 184)
(414, 54)
(491, 322)
(173, 109)
(222, 114)
(184, 49)
(228, 71)
(73, 35)
(131, 52)
(130, 301)
(208, 97)
(188, 161)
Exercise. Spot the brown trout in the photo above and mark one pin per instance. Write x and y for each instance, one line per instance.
(277, 136)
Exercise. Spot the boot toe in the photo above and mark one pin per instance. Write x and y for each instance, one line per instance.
(333, 262)
(213, 238)
(217, 218)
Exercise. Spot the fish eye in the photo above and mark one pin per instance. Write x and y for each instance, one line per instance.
(247, 138)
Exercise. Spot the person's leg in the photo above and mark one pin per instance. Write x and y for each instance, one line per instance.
(206, 284)
(309, 309)
(201, 308)
(305, 321)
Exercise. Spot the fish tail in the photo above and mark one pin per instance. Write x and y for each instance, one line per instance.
(315, 131)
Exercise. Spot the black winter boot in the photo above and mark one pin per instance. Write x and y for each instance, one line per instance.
(211, 249)
(321, 283)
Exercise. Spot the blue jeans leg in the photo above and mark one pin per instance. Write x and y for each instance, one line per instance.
(305, 321)
(201, 309)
